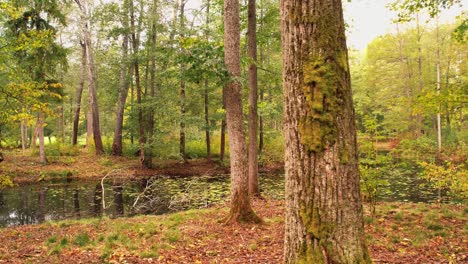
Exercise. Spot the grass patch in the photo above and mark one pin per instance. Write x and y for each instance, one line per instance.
(434, 227)
(149, 254)
(52, 239)
(399, 216)
(172, 235)
(82, 240)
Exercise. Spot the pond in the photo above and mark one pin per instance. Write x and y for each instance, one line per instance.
(41, 202)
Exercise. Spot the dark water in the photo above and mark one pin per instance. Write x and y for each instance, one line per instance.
(41, 202)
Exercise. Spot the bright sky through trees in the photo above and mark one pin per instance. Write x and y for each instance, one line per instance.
(368, 19)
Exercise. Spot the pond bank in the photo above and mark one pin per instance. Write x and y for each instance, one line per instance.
(23, 168)
(398, 233)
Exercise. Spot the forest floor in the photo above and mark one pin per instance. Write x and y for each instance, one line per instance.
(398, 233)
(22, 167)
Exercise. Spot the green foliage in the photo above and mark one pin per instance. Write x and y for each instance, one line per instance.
(5, 181)
(449, 176)
(373, 169)
(421, 149)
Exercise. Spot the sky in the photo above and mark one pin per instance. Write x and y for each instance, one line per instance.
(369, 19)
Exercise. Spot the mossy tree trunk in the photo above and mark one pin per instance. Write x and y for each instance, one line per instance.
(241, 210)
(323, 206)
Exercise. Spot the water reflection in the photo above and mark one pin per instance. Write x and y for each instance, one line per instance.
(97, 201)
(117, 189)
(76, 202)
(80, 199)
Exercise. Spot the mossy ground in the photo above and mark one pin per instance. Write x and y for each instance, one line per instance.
(397, 233)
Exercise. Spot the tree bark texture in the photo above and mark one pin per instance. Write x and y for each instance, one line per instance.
(241, 209)
(253, 98)
(92, 83)
(123, 94)
(79, 92)
(323, 206)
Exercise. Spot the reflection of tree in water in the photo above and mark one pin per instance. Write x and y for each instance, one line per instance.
(2, 200)
(76, 202)
(41, 204)
(97, 201)
(117, 188)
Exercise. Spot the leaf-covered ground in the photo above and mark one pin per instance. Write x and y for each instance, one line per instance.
(23, 167)
(398, 233)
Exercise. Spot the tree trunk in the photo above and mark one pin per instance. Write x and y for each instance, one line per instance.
(34, 135)
(207, 123)
(206, 102)
(323, 220)
(136, 69)
(222, 150)
(152, 72)
(419, 117)
(89, 126)
(40, 125)
(92, 83)
(253, 98)
(439, 107)
(79, 92)
(123, 93)
(182, 86)
(241, 209)
(24, 132)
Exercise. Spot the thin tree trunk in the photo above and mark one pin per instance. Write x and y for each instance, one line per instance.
(136, 65)
(182, 86)
(152, 72)
(35, 133)
(261, 135)
(40, 125)
(241, 209)
(439, 107)
(420, 76)
(79, 92)
(222, 150)
(323, 222)
(24, 132)
(253, 98)
(206, 102)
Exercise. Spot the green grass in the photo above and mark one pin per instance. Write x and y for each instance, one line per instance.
(82, 240)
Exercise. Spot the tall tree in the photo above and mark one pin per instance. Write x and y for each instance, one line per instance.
(79, 92)
(241, 209)
(324, 221)
(123, 85)
(91, 69)
(182, 84)
(135, 40)
(152, 69)
(253, 98)
(206, 101)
